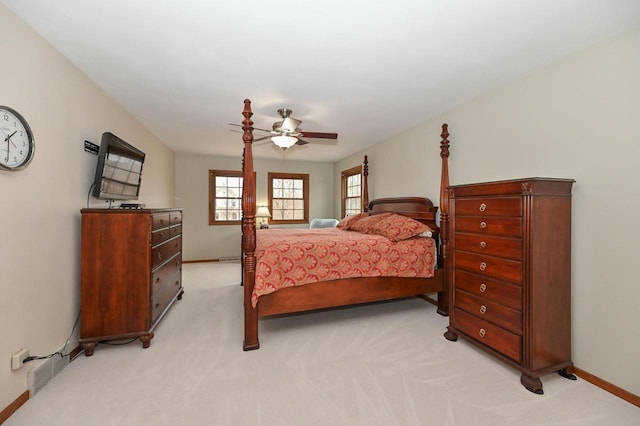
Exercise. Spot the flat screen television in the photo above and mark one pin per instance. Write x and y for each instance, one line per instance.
(119, 170)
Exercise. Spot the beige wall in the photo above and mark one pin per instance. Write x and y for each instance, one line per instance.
(577, 119)
(204, 242)
(40, 249)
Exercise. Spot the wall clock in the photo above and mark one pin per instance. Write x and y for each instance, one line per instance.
(16, 143)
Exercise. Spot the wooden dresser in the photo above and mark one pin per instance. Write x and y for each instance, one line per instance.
(511, 273)
(131, 272)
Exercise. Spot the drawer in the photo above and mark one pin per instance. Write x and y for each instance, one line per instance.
(509, 295)
(160, 220)
(160, 302)
(165, 251)
(503, 206)
(503, 341)
(510, 248)
(160, 235)
(175, 230)
(494, 267)
(499, 226)
(507, 318)
(175, 218)
(165, 275)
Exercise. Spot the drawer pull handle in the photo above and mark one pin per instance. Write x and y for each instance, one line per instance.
(483, 225)
(483, 207)
(483, 288)
(159, 256)
(483, 266)
(483, 309)
(482, 332)
(158, 280)
(483, 244)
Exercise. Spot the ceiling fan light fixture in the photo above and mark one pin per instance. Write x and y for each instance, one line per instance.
(283, 141)
(290, 124)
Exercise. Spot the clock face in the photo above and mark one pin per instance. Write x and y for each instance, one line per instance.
(16, 140)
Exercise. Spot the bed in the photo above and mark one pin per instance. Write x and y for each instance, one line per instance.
(337, 292)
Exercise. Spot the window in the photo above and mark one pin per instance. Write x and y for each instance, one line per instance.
(289, 198)
(352, 191)
(225, 197)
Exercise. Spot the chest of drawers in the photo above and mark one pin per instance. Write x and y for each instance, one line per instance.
(131, 273)
(510, 282)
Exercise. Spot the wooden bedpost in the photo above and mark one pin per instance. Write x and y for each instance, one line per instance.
(249, 231)
(365, 184)
(444, 296)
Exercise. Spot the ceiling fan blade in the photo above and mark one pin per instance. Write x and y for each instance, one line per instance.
(319, 135)
(261, 139)
(255, 128)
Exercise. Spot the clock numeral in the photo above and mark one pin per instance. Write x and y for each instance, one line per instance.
(6, 117)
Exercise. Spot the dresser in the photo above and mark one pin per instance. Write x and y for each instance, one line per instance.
(131, 273)
(510, 279)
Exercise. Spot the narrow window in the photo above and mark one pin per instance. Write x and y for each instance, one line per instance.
(225, 197)
(351, 191)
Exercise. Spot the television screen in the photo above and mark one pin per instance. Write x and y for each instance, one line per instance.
(119, 170)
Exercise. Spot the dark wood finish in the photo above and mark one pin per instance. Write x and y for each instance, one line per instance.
(338, 292)
(318, 135)
(345, 292)
(131, 273)
(13, 407)
(609, 387)
(365, 183)
(511, 273)
(249, 231)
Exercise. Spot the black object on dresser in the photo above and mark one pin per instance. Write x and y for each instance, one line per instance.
(131, 272)
(510, 284)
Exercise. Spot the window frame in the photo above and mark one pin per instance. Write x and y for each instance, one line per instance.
(344, 176)
(305, 195)
(212, 196)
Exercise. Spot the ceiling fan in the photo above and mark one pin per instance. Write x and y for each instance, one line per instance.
(286, 133)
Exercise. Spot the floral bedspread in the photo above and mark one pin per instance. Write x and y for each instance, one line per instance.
(293, 257)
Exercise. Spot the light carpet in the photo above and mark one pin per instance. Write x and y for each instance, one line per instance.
(378, 364)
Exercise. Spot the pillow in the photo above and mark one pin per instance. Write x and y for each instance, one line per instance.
(367, 225)
(346, 223)
(397, 227)
(323, 223)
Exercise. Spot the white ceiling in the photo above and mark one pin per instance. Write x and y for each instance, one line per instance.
(366, 70)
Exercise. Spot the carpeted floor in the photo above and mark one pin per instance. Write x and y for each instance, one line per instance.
(381, 364)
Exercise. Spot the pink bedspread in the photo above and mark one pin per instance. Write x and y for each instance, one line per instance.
(293, 257)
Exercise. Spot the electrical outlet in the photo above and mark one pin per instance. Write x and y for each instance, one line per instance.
(18, 357)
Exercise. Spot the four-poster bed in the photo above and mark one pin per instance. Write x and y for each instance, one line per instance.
(403, 282)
